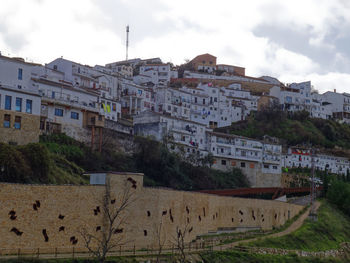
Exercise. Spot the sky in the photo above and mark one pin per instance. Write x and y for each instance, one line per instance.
(294, 41)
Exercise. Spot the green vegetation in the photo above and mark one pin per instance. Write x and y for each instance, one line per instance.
(339, 194)
(31, 260)
(292, 129)
(34, 163)
(328, 232)
(59, 159)
(164, 168)
(243, 257)
(227, 238)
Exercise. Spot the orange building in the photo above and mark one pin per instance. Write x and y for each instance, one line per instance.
(205, 62)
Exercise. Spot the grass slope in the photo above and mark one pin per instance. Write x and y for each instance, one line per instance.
(331, 229)
(242, 257)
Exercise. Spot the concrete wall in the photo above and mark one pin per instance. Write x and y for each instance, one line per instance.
(203, 212)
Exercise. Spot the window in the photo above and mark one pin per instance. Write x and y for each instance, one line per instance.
(29, 105)
(59, 112)
(203, 101)
(266, 166)
(223, 162)
(289, 99)
(20, 74)
(19, 104)
(74, 115)
(274, 167)
(7, 120)
(17, 122)
(242, 164)
(195, 99)
(114, 107)
(53, 95)
(8, 102)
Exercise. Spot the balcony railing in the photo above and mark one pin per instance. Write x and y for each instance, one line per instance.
(70, 102)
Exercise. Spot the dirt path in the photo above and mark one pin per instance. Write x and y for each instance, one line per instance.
(294, 226)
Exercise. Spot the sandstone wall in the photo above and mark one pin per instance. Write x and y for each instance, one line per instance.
(201, 212)
(28, 133)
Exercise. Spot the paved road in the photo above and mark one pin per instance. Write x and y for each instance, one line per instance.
(304, 200)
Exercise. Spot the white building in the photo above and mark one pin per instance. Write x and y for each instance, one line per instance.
(94, 80)
(302, 158)
(184, 135)
(340, 105)
(16, 73)
(62, 105)
(260, 161)
(158, 74)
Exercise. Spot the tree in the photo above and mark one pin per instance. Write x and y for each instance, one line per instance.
(161, 238)
(179, 240)
(110, 236)
(208, 160)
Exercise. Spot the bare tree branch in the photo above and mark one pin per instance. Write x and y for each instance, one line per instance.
(114, 215)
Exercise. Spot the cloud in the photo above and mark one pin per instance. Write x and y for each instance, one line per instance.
(291, 40)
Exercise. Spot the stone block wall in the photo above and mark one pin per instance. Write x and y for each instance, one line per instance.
(49, 217)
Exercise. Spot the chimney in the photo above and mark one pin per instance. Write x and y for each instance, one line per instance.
(335, 90)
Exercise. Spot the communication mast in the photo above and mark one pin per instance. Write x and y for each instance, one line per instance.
(127, 41)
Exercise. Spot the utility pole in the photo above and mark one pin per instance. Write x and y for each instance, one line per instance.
(313, 192)
(127, 41)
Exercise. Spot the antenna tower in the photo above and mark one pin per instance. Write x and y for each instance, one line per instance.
(127, 41)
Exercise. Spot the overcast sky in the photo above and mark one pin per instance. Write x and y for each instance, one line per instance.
(294, 41)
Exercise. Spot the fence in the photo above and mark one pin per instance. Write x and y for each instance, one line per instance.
(132, 250)
(124, 250)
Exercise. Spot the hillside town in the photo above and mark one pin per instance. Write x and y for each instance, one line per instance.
(179, 105)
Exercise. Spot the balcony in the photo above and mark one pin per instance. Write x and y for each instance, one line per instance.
(248, 158)
(66, 101)
(272, 161)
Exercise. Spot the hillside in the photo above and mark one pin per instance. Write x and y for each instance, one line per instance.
(294, 129)
(330, 230)
(34, 163)
(59, 159)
